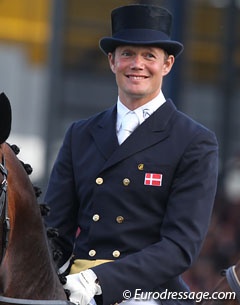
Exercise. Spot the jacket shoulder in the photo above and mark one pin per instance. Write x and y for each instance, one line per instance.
(190, 125)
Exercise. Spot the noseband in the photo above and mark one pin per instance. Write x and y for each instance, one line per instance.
(4, 209)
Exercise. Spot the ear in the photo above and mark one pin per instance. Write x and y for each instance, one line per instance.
(5, 118)
(168, 64)
(111, 60)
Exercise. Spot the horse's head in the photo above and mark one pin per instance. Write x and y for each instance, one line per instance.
(5, 118)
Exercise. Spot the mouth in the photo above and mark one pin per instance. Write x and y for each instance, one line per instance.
(136, 77)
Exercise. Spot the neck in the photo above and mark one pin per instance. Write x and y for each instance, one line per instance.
(134, 103)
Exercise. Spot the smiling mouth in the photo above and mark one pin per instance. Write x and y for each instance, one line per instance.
(136, 77)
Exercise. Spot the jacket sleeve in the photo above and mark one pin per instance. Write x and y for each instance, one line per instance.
(183, 230)
(62, 200)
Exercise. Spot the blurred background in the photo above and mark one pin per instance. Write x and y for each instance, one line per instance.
(53, 72)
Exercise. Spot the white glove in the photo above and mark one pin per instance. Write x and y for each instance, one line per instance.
(83, 287)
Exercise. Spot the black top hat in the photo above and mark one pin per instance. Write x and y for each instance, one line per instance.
(141, 25)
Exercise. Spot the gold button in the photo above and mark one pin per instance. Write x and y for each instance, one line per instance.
(96, 217)
(126, 181)
(99, 180)
(141, 166)
(116, 253)
(120, 219)
(92, 253)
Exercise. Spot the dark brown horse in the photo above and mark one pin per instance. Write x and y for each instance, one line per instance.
(27, 271)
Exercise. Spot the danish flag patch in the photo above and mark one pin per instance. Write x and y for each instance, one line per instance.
(153, 179)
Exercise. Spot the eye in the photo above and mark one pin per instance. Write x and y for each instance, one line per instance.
(150, 56)
(126, 53)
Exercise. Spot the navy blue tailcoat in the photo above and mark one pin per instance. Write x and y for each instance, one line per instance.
(152, 229)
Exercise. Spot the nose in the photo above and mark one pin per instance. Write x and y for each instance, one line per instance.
(137, 62)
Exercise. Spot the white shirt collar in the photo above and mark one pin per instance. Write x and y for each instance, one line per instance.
(152, 106)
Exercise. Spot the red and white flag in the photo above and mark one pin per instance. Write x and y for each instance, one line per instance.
(153, 179)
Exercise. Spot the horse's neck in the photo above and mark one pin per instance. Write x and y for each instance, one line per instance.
(27, 264)
(27, 270)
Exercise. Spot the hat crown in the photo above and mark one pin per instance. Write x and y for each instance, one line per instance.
(136, 16)
(141, 25)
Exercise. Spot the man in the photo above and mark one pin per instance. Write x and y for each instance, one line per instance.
(142, 203)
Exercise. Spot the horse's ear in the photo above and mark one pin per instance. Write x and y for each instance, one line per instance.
(5, 118)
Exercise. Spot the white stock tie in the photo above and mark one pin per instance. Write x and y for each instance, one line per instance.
(129, 123)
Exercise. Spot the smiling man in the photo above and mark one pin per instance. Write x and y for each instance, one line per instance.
(138, 179)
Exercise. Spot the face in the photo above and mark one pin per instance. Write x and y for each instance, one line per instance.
(139, 72)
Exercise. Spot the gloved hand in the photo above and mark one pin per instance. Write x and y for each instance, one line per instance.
(83, 287)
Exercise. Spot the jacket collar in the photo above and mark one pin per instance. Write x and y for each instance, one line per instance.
(150, 132)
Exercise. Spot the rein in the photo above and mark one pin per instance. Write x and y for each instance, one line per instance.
(33, 302)
(4, 208)
(233, 281)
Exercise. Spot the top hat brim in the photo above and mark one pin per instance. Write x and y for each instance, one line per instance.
(109, 44)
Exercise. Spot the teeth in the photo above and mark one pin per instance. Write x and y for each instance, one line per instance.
(137, 77)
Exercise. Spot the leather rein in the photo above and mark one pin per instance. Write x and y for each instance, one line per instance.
(4, 208)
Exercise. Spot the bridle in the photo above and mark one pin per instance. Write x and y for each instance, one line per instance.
(4, 209)
(5, 223)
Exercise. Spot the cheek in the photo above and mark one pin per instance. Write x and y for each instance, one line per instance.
(156, 70)
(119, 66)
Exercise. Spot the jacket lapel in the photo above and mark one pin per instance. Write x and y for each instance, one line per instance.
(150, 132)
(104, 133)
